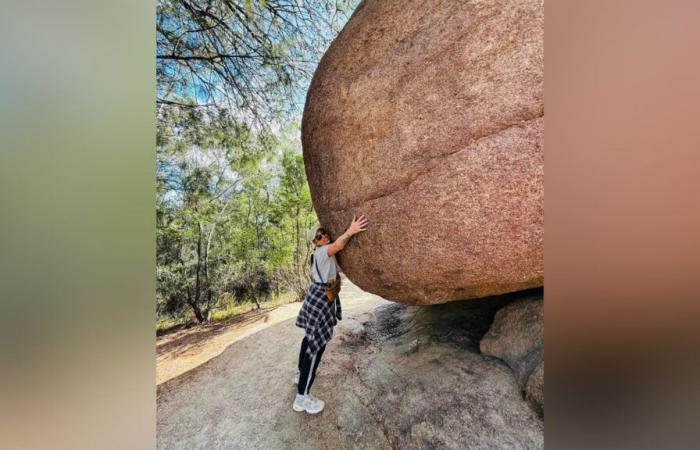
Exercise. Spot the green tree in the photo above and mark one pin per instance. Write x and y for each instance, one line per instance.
(252, 58)
(232, 210)
(202, 168)
(295, 213)
(232, 199)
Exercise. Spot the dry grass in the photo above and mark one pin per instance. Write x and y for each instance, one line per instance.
(227, 311)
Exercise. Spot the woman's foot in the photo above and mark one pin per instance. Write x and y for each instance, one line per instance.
(308, 403)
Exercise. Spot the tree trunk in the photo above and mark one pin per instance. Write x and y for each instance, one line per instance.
(296, 238)
(201, 318)
(198, 287)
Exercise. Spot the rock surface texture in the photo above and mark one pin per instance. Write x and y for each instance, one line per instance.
(393, 377)
(428, 117)
(517, 338)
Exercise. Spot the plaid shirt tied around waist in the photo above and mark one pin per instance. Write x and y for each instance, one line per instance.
(317, 317)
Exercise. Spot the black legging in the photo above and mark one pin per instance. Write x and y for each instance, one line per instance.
(307, 368)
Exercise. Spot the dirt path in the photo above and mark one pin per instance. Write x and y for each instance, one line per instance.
(184, 350)
(393, 377)
(242, 399)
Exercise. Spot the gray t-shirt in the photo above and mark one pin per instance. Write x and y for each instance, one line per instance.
(327, 265)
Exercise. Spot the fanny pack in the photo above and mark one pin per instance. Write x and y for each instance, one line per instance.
(333, 288)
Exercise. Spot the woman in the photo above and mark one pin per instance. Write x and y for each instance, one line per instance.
(319, 313)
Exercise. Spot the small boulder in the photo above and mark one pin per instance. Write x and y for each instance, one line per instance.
(517, 338)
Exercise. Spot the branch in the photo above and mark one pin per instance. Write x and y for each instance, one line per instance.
(160, 101)
(202, 58)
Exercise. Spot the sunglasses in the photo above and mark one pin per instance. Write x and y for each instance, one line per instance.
(320, 233)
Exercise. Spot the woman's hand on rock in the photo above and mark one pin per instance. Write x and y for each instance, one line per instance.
(358, 225)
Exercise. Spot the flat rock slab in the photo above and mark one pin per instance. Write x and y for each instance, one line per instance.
(428, 117)
(396, 377)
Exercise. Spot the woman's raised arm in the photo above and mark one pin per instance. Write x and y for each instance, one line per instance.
(358, 225)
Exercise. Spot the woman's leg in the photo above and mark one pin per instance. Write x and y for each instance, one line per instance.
(308, 371)
(302, 351)
(313, 370)
(305, 373)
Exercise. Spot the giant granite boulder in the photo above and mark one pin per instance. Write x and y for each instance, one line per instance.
(428, 117)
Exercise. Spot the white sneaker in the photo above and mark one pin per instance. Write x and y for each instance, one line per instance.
(308, 403)
(296, 377)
